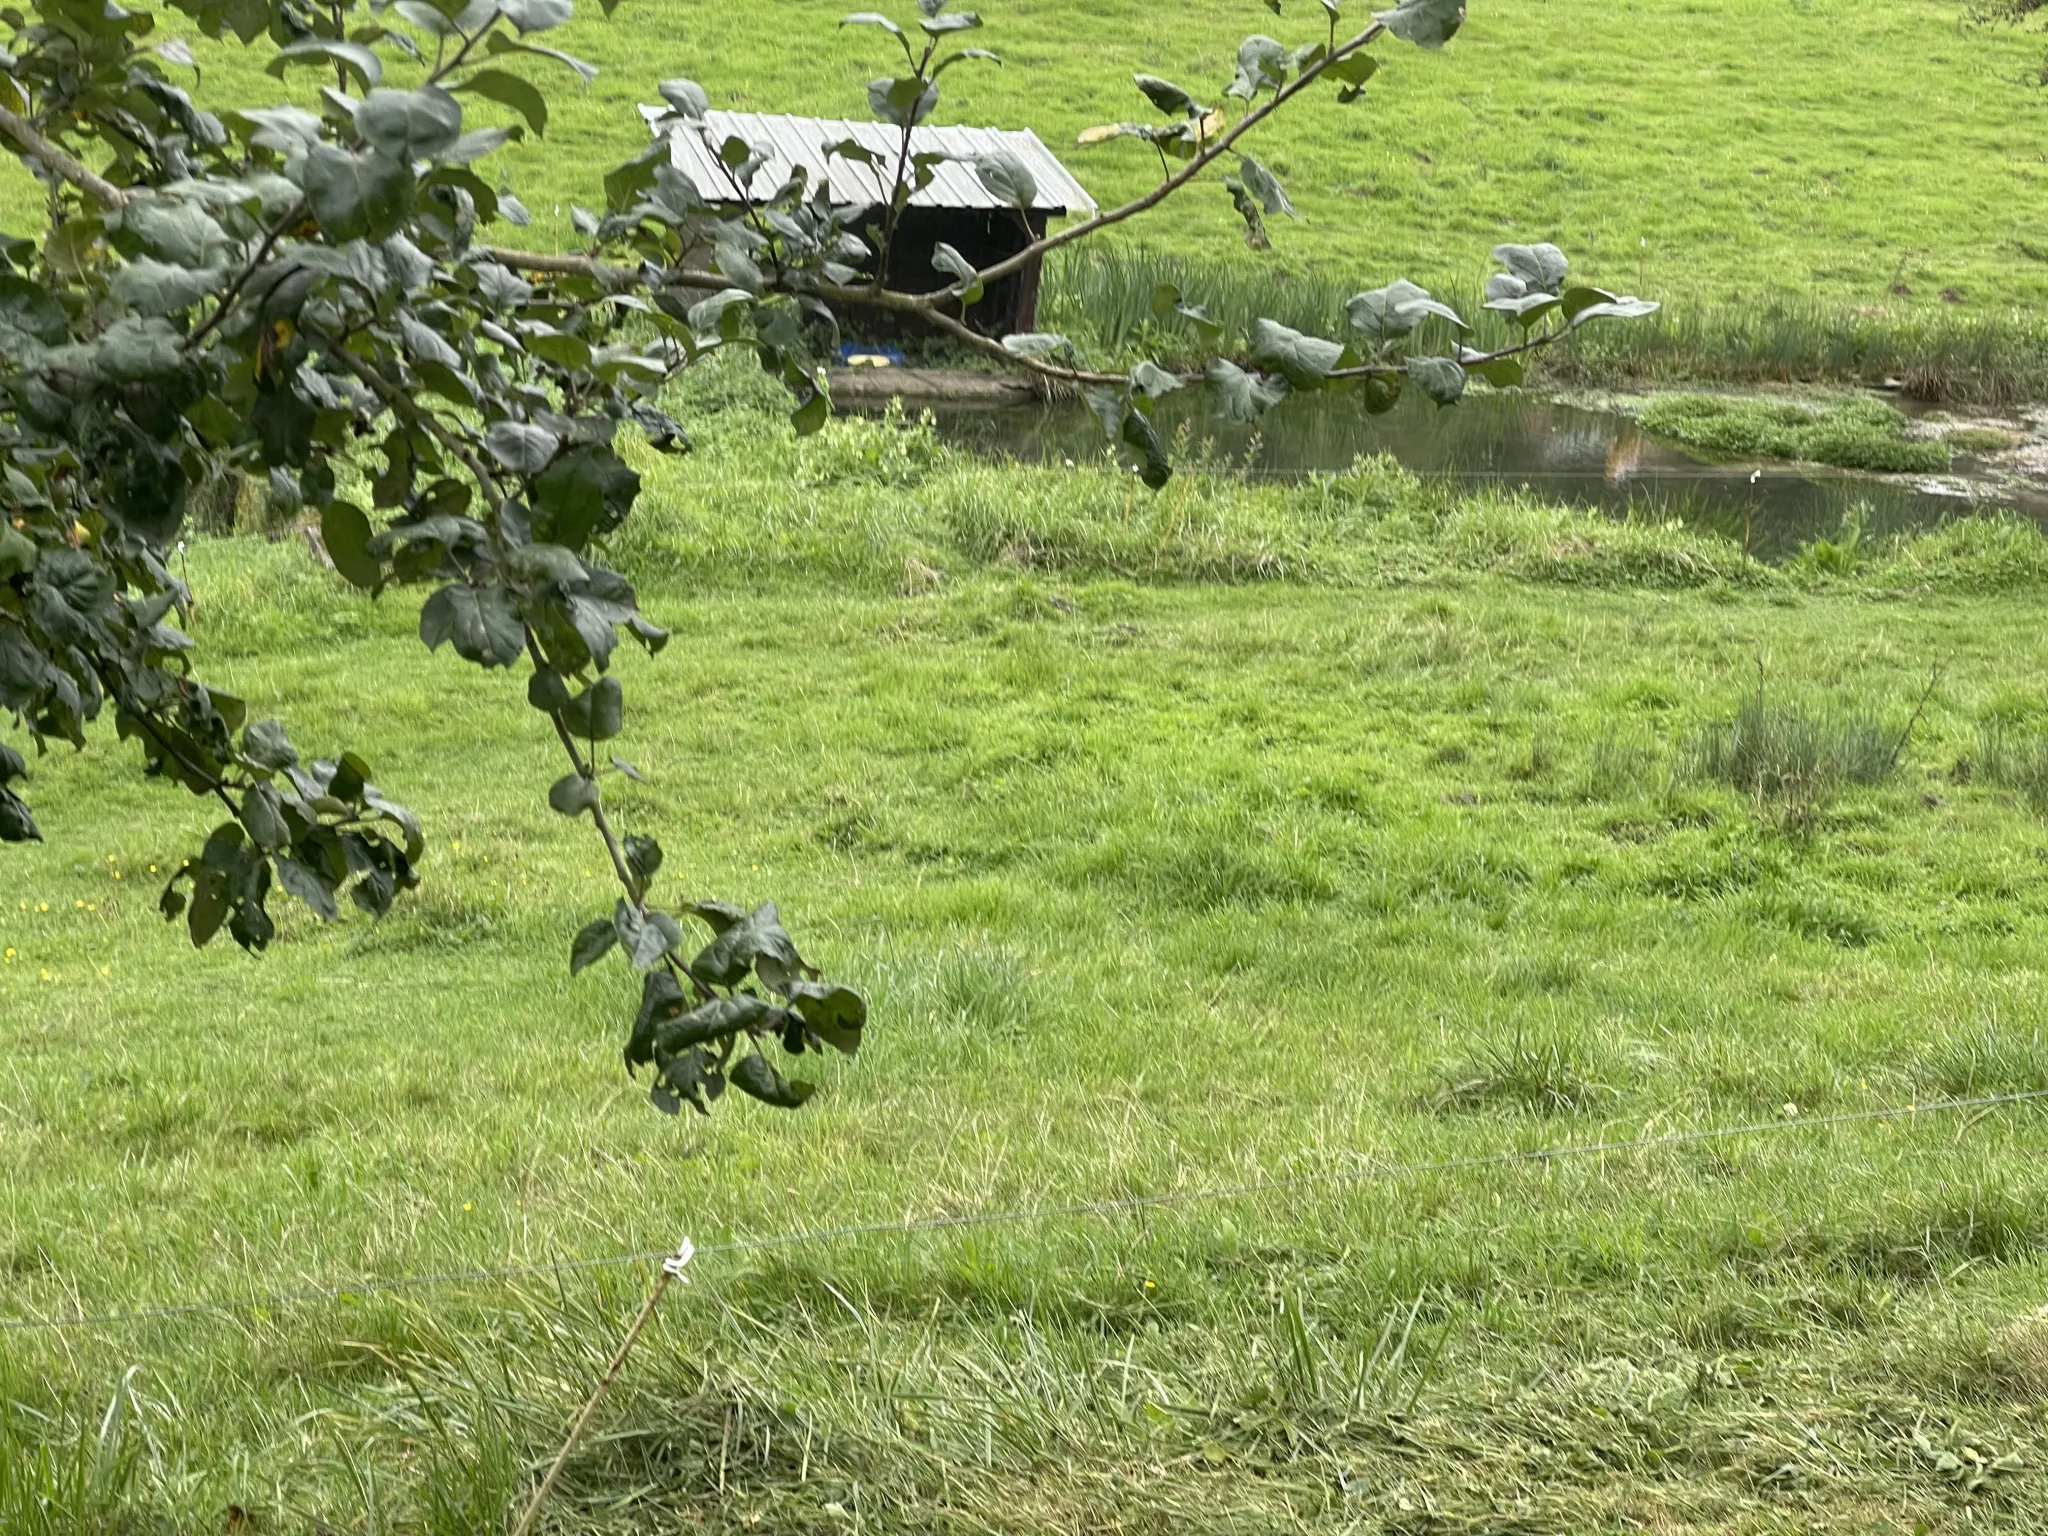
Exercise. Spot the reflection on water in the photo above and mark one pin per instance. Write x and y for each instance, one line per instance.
(1561, 452)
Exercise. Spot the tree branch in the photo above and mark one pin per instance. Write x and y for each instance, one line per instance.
(603, 824)
(59, 163)
(234, 290)
(1185, 174)
(402, 405)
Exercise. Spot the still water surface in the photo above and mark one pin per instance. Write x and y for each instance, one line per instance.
(1565, 453)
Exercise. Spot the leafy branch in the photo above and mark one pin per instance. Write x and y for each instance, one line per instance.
(324, 300)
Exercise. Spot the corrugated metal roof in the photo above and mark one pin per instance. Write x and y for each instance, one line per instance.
(793, 141)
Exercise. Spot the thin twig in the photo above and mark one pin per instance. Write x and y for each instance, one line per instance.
(234, 289)
(1933, 680)
(671, 1270)
(1188, 172)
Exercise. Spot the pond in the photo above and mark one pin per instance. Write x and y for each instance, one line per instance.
(1562, 452)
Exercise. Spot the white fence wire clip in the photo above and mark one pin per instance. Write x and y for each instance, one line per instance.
(674, 1265)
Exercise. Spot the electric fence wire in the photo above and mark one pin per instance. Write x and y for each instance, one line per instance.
(376, 1285)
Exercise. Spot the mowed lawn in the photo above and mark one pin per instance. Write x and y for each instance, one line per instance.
(1736, 152)
(1156, 885)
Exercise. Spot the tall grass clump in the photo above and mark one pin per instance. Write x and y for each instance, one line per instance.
(1996, 359)
(1984, 552)
(1851, 434)
(1783, 750)
(1103, 297)
(2016, 759)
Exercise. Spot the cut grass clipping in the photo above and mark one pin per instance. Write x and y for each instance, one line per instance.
(1850, 434)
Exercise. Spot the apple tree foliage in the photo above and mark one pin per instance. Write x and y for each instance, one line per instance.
(328, 293)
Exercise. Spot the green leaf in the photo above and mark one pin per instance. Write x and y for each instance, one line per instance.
(134, 350)
(1611, 308)
(1152, 381)
(1142, 438)
(1037, 344)
(1500, 372)
(17, 552)
(661, 1000)
(514, 91)
(16, 824)
(263, 815)
(833, 1013)
(905, 101)
(546, 691)
(670, 1030)
(409, 125)
(482, 624)
(1438, 377)
(946, 259)
(357, 196)
(1263, 185)
(686, 98)
(755, 1075)
(1168, 97)
(596, 713)
(592, 943)
(152, 287)
(1237, 395)
(1540, 268)
(301, 880)
(353, 57)
(643, 860)
(1304, 361)
(1261, 65)
(1509, 295)
(1005, 175)
(755, 942)
(1381, 314)
(536, 15)
(33, 310)
(871, 19)
(498, 44)
(523, 449)
(1426, 23)
(645, 935)
(586, 492)
(572, 794)
(952, 21)
(179, 232)
(708, 316)
(1353, 69)
(1380, 392)
(345, 532)
(209, 907)
(1209, 330)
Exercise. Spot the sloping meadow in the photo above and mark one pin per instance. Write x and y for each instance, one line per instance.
(1327, 836)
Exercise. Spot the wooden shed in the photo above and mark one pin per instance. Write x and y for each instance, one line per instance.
(955, 207)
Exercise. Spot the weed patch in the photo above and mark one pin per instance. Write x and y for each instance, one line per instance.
(1516, 1075)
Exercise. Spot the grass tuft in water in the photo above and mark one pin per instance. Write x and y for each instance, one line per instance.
(1850, 434)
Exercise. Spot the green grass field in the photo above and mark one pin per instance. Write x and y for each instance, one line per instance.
(1222, 836)
(1775, 169)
